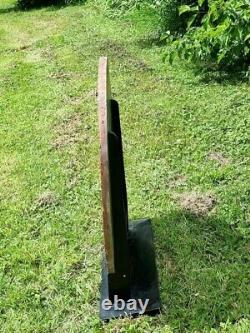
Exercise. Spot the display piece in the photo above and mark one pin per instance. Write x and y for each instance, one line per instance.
(129, 283)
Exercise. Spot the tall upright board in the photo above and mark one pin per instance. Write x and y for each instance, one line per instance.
(128, 270)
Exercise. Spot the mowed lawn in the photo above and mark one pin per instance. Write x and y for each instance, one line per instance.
(186, 149)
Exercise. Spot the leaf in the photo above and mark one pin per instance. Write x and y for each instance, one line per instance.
(184, 9)
(191, 20)
(171, 58)
(221, 56)
(247, 37)
(194, 9)
(201, 2)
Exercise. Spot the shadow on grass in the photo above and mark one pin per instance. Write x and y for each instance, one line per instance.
(203, 271)
(150, 41)
(232, 77)
(8, 10)
(59, 6)
(51, 7)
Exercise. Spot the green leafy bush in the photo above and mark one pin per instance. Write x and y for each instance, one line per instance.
(27, 4)
(171, 20)
(167, 10)
(222, 40)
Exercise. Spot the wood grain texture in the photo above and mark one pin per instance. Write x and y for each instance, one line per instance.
(104, 96)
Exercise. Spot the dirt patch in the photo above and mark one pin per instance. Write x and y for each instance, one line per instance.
(76, 100)
(73, 168)
(199, 204)
(114, 48)
(70, 131)
(34, 56)
(169, 265)
(43, 54)
(138, 64)
(177, 181)
(20, 48)
(64, 75)
(45, 200)
(77, 267)
(218, 157)
(119, 52)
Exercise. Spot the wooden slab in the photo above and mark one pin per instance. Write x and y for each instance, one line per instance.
(104, 96)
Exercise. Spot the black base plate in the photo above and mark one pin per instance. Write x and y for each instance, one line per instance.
(144, 284)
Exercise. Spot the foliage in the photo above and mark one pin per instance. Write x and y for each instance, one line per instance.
(170, 18)
(223, 38)
(211, 32)
(168, 11)
(26, 4)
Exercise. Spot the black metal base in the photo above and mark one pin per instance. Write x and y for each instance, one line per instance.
(144, 281)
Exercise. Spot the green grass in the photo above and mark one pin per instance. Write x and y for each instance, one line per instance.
(186, 146)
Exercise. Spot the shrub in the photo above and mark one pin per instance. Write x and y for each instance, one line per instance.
(27, 4)
(167, 10)
(169, 15)
(222, 40)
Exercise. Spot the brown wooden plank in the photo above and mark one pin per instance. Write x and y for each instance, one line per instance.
(104, 96)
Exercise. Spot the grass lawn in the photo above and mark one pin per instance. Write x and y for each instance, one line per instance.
(186, 146)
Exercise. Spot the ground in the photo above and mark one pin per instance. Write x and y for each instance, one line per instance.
(186, 149)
